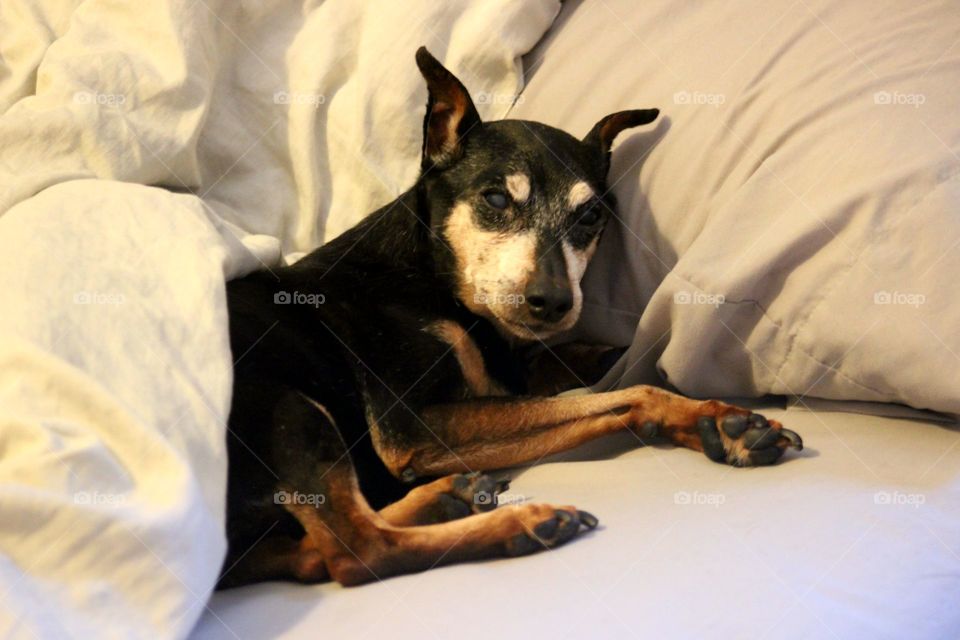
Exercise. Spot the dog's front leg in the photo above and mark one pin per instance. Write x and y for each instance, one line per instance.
(500, 432)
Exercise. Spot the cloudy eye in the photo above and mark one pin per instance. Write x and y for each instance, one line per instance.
(496, 199)
(589, 217)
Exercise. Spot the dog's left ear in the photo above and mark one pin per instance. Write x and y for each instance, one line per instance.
(450, 113)
(602, 135)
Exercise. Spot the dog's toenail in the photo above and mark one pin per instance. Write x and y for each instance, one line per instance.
(563, 516)
(734, 425)
(795, 440)
(408, 475)
(588, 520)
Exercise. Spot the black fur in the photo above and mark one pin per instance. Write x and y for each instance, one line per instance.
(360, 349)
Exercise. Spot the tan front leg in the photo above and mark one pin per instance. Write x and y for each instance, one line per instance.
(494, 433)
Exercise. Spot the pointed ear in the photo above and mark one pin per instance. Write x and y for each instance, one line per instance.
(602, 135)
(450, 113)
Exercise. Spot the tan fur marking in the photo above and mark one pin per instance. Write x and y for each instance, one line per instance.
(415, 507)
(518, 185)
(493, 268)
(442, 140)
(579, 194)
(494, 434)
(322, 409)
(394, 459)
(468, 355)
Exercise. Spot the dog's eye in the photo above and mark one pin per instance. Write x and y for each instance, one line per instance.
(589, 217)
(496, 199)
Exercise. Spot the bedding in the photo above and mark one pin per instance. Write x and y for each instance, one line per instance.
(790, 226)
(116, 369)
(115, 380)
(856, 537)
(779, 127)
(150, 151)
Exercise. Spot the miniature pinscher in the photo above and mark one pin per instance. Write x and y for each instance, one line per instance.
(376, 377)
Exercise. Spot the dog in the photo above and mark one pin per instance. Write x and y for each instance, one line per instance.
(376, 377)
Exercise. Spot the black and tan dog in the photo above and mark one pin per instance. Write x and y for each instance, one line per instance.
(375, 376)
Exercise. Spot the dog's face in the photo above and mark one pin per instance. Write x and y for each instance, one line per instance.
(526, 204)
(516, 207)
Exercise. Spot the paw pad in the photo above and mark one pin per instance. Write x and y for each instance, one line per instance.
(560, 528)
(734, 425)
(478, 491)
(761, 442)
(712, 444)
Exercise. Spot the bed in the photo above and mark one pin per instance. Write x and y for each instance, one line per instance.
(853, 538)
(787, 233)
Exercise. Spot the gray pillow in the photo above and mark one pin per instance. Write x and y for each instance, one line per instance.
(790, 225)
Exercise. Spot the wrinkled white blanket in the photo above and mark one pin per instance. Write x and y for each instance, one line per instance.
(115, 368)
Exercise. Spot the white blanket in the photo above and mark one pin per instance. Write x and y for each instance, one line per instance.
(115, 369)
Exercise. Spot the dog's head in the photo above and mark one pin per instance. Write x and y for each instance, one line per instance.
(516, 207)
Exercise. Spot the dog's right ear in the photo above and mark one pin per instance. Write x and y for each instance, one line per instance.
(603, 133)
(450, 113)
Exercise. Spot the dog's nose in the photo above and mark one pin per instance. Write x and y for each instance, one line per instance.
(548, 294)
(548, 303)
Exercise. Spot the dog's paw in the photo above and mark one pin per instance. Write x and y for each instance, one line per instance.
(745, 439)
(475, 492)
(546, 527)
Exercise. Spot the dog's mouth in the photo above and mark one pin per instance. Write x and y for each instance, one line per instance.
(534, 329)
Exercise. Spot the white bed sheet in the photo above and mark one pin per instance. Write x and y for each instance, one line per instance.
(856, 537)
